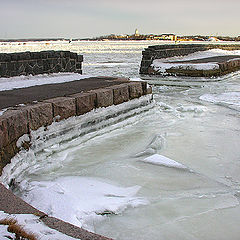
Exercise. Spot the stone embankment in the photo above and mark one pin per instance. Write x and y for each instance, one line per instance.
(172, 50)
(26, 63)
(67, 100)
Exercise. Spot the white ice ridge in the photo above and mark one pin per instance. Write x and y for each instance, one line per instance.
(41, 79)
(81, 201)
(161, 160)
(31, 224)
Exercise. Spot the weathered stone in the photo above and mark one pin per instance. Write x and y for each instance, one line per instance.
(144, 87)
(40, 114)
(4, 141)
(85, 102)
(26, 63)
(64, 107)
(104, 97)
(17, 123)
(120, 93)
(135, 90)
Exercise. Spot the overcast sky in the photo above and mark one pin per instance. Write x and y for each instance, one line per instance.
(89, 18)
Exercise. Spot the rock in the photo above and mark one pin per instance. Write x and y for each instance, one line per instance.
(120, 93)
(64, 107)
(104, 97)
(85, 102)
(135, 90)
(40, 114)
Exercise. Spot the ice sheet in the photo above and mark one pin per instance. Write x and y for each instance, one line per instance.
(231, 98)
(82, 200)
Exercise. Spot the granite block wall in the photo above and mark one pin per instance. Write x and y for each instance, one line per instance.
(26, 63)
(21, 120)
(171, 50)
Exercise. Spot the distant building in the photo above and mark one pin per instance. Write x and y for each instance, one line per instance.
(136, 33)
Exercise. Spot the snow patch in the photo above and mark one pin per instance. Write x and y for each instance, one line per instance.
(161, 160)
(81, 200)
(42, 79)
(31, 224)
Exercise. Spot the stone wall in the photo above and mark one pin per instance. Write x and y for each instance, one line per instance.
(18, 121)
(171, 50)
(25, 63)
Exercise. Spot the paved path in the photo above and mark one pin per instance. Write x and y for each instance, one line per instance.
(37, 93)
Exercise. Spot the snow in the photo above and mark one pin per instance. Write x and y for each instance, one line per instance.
(31, 224)
(81, 200)
(162, 65)
(42, 79)
(161, 160)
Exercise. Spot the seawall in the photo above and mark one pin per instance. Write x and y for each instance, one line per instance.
(170, 50)
(26, 63)
(21, 120)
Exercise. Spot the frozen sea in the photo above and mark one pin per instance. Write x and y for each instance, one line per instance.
(166, 170)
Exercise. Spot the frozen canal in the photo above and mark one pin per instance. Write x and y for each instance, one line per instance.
(111, 179)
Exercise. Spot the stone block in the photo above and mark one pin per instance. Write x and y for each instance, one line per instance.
(6, 154)
(17, 123)
(85, 102)
(64, 107)
(80, 58)
(73, 55)
(135, 90)
(4, 141)
(120, 93)
(144, 87)
(104, 97)
(40, 114)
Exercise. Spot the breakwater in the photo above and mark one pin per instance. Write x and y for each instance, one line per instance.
(16, 122)
(26, 63)
(165, 51)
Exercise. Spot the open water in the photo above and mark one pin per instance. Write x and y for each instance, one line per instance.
(97, 175)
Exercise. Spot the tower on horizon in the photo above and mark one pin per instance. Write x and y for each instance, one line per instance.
(136, 32)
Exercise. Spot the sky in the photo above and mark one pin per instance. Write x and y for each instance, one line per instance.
(92, 18)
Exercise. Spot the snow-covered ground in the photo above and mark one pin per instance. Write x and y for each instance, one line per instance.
(41, 79)
(31, 224)
(161, 65)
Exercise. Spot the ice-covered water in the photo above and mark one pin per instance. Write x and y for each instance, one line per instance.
(121, 176)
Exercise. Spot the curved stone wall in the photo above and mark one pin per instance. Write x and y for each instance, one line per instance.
(26, 63)
(14, 123)
(171, 50)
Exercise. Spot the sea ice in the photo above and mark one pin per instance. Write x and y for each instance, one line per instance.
(232, 98)
(81, 200)
(157, 159)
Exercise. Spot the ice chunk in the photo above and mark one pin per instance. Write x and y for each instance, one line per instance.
(157, 159)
